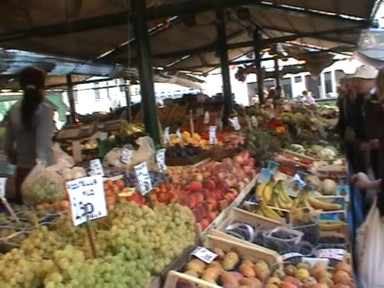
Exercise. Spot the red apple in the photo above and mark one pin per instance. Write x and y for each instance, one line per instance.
(195, 186)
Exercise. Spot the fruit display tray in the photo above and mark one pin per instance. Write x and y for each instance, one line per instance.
(245, 252)
(239, 199)
(219, 154)
(186, 161)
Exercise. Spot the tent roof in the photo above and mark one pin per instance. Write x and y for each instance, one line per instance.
(99, 31)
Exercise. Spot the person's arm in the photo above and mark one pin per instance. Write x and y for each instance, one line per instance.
(9, 144)
(44, 133)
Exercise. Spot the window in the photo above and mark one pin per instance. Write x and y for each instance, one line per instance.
(97, 91)
(328, 82)
(122, 85)
(339, 74)
(297, 79)
(287, 87)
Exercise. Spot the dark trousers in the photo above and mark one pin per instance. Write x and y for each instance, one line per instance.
(21, 174)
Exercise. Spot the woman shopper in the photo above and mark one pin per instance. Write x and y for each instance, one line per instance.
(30, 128)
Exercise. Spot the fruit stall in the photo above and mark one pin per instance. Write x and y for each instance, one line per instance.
(244, 206)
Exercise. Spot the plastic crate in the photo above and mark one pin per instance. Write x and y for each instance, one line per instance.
(311, 232)
(283, 246)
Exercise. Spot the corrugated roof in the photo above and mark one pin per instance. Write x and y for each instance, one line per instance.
(87, 29)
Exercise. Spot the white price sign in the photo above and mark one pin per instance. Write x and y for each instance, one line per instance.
(160, 159)
(166, 135)
(143, 178)
(235, 123)
(212, 135)
(126, 156)
(87, 198)
(3, 186)
(204, 254)
(96, 167)
(254, 121)
(178, 133)
(206, 117)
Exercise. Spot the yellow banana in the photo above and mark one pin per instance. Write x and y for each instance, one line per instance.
(283, 204)
(321, 205)
(331, 226)
(267, 192)
(269, 212)
(259, 189)
(284, 194)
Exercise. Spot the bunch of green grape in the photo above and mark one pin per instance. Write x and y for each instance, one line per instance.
(132, 244)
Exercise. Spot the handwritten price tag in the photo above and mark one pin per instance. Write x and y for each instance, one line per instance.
(126, 156)
(96, 167)
(235, 123)
(212, 135)
(143, 178)
(204, 254)
(206, 117)
(87, 199)
(160, 159)
(166, 135)
(3, 186)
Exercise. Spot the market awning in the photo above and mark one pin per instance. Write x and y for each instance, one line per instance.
(182, 33)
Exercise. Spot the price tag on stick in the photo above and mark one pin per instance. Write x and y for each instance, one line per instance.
(143, 178)
(235, 123)
(206, 117)
(87, 198)
(212, 135)
(126, 156)
(160, 159)
(96, 167)
(166, 136)
(204, 254)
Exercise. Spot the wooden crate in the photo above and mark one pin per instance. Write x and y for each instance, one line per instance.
(245, 252)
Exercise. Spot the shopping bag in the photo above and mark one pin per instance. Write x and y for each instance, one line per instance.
(370, 249)
(61, 157)
(42, 185)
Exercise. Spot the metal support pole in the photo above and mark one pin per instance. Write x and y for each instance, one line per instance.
(277, 68)
(259, 70)
(71, 100)
(148, 101)
(224, 64)
(127, 89)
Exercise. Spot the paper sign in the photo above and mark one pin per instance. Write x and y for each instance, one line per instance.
(178, 133)
(166, 135)
(143, 178)
(87, 196)
(96, 167)
(160, 159)
(212, 135)
(235, 123)
(254, 121)
(126, 156)
(206, 117)
(204, 254)
(3, 186)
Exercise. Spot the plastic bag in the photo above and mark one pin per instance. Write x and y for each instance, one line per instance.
(370, 249)
(42, 185)
(61, 157)
(145, 153)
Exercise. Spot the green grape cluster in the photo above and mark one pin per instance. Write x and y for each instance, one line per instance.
(132, 244)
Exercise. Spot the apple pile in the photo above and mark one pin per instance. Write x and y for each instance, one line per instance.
(303, 275)
(210, 188)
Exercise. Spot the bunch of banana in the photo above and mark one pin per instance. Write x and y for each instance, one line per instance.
(322, 205)
(331, 226)
(282, 198)
(305, 200)
(267, 212)
(264, 191)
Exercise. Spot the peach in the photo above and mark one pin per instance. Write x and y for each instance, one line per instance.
(195, 186)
